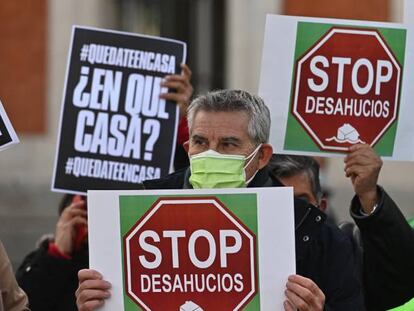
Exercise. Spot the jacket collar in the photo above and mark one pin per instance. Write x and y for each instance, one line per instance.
(305, 214)
(263, 179)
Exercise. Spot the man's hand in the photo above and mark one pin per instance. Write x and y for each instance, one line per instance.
(182, 84)
(92, 290)
(303, 294)
(363, 166)
(71, 218)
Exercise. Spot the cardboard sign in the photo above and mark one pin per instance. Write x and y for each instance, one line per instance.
(115, 131)
(336, 83)
(8, 136)
(193, 249)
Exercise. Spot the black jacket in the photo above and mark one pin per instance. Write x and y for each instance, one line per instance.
(323, 253)
(388, 254)
(49, 282)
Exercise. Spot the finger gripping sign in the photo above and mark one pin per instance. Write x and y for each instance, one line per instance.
(115, 130)
(193, 250)
(346, 88)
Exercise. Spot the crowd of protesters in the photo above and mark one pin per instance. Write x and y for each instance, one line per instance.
(370, 267)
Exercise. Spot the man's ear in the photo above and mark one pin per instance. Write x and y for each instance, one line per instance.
(186, 145)
(323, 205)
(265, 153)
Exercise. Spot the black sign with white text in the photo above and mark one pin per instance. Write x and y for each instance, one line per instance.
(115, 131)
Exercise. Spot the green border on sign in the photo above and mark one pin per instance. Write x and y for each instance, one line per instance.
(242, 205)
(308, 33)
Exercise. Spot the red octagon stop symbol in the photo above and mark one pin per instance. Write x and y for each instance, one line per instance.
(346, 88)
(190, 254)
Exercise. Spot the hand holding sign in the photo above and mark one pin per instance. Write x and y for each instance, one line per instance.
(183, 86)
(303, 295)
(92, 291)
(72, 217)
(363, 166)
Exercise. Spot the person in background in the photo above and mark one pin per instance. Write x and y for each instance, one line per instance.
(387, 257)
(301, 173)
(181, 83)
(12, 297)
(49, 274)
(387, 238)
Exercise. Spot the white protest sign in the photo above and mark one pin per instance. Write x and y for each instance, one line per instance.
(8, 136)
(333, 83)
(222, 249)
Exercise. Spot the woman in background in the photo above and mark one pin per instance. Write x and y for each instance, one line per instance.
(12, 297)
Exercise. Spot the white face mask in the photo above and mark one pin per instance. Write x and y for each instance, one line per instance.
(211, 169)
(251, 156)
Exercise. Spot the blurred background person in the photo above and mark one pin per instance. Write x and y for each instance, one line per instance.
(49, 274)
(12, 298)
(385, 241)
(303, 174)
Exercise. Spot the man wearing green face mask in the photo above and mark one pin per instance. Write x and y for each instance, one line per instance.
(228, 147)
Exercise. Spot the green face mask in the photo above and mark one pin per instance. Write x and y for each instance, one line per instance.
(211, 169)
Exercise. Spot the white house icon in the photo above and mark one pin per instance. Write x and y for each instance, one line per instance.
(190, 306)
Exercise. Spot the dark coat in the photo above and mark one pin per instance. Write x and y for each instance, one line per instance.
(49, 282)
(388, 254)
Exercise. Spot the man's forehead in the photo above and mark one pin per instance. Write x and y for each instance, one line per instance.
(225, 113)
(226, 123)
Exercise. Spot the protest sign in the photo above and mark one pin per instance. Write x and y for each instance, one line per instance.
(222, 249)
(335, 83)
(409, 11)
(8, 136)
(115, 131)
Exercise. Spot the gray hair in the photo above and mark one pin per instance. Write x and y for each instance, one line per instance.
(235, 100)
(282, 165)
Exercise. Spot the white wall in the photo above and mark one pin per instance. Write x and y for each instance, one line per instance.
(245, 32)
